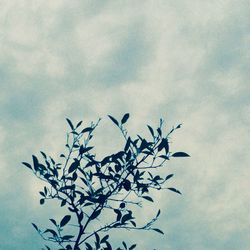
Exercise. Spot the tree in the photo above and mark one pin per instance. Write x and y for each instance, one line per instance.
(90, 187)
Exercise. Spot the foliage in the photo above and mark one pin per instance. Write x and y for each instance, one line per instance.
(90, 187)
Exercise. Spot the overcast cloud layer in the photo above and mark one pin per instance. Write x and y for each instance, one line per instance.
(185, 61)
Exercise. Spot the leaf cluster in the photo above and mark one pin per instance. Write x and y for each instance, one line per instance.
(89, 186)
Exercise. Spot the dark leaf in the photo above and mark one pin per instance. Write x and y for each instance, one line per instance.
(126, 217)
(133, 223)
(108, 246)
(178, 126)
(42, 201)
(35, 226)
(180, 154)
(73, 166)
(95, 214)
(132, 247)
(164, 144)
(169, 176)
(174, 190)
(97, 237)
(65, 220)
(159, 131)
(89, 247)
(157, 230)
(50, 231)
(27, 165)
(42, 194)
(113, 120)
(127, 144)
(83, 150)
(158, 213)
(148, 198)
(74, 176)
(127, 185)
(119, 214)
(43, 154)
(53, 221)
(125, 118)
(151, 131)
(105, 238)
(78, 124)
(35, 162)
(124, 244)
(67, 237)
(88, 129)
(70, 123)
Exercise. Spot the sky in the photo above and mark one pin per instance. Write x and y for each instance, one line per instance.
(184, 61)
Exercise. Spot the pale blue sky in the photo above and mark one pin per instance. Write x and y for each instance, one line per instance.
(185, 61)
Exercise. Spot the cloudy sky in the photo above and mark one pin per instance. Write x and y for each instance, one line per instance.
(185, 61)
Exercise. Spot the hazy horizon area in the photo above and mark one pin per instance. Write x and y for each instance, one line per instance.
(184, 61)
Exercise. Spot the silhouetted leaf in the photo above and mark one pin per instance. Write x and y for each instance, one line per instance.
(42, 194)
(127, 144)
(157, 230)
(95, 214)
(113, 120)
(35, 226)
(158, 213)
(53, 221)
(78, 124)
(42, 201)
(88, 129)
(119, 214)
(43, 154)
(151, 131)
(127, 185)
(97, 243)
(83, 150)
(133, 223)
(89, 247)
(65, 220)
(67, 237)
(132, 247)
(51, 231)
(35, 162)
(63, 203)
(108, 246)
(124, 244)
(179, 126)
(174, 190)
(164, 144)
(73, 166)
(169, 176)
(27, 165)
(126, 217)
(70, 123)
(159, 131)
(148, 198)
(180, 154)
(125, 118)
(105, 238)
